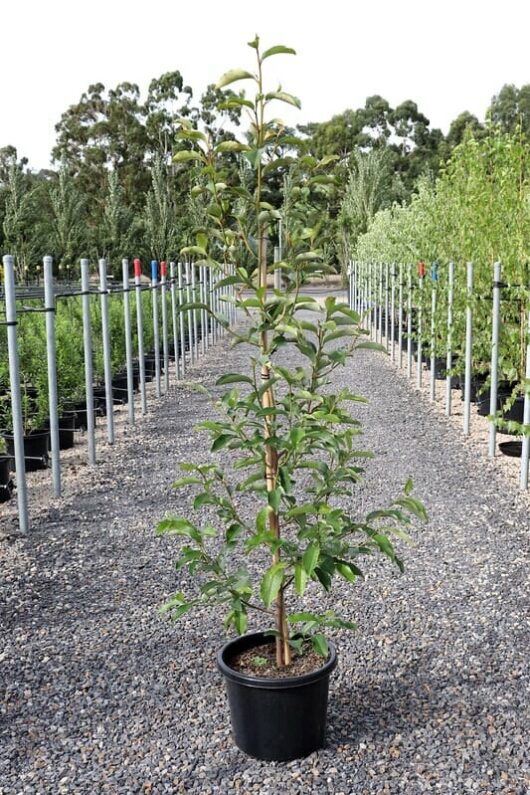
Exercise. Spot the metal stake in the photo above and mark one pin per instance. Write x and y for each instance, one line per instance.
(128, 339)
(434, 275)
(156, 335)
(140, 331)
(165, 343)
(409, 324)
(419, 356)
(400, 317)
(194, 311)
(14, 384)
(469, 346)
(182, 301)
(449, 360)
(89, 376)
(495, 329)
(49, 305)
(525, 452)
(104, 297)
(174, 318)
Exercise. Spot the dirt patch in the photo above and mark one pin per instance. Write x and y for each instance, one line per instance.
(261, 661)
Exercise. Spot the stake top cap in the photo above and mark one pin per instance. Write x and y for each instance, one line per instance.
(154, 269)
(163, 268)
(137, 267)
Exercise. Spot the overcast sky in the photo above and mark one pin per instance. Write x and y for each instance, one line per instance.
(447, 57)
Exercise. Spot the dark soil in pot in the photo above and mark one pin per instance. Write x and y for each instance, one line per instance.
(6, 483)
(36, 449)
(275, 719)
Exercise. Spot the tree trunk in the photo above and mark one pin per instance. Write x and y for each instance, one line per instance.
(283, 651)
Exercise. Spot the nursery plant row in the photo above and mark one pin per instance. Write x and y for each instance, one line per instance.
(450, 322)
(84, 348)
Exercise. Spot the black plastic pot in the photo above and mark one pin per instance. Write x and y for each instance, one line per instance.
(513, 449)
(504, 391)
(36, 450)
(6, 484)
(276, 719)
(80, 422)
(119, 388)
(67, 425)
(516, 412)
(477, 384)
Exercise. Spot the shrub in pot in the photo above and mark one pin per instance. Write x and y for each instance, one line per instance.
(286, 443)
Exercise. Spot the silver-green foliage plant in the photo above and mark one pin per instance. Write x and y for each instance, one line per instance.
(284, 434)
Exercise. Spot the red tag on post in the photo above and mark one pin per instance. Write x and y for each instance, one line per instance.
(163, 268)
(421, 269)
(137, 267)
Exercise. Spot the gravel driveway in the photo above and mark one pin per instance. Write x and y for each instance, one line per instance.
(101, 694)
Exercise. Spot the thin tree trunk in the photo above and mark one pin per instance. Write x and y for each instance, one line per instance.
(283, 651)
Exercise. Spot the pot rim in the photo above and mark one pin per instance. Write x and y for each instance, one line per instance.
(252, 639)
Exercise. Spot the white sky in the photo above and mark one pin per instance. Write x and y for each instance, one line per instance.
(447, 57)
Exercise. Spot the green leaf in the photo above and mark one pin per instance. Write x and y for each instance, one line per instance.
(320, 645)
(186, 482)
(371, 346)
(221, 441)
(233, 378)
(310, 558)
(261, 520)
(300, 579)
(283, 96)
(233, 75)
(409, 485)
(278, 49)
(232, 146)
(346, 572)
(295, 618)
(413, 506)
(271, 583)
(186, 155)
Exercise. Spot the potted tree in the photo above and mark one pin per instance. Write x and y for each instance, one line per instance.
(287, 445)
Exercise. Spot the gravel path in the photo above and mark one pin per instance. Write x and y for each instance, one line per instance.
(101, 694)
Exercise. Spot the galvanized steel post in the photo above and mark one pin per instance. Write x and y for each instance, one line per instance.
(89, 376)
(14, 384)
(156, 335)
(525, 452)
(104, 299)
(49, 306)
(174, 318)
(165, 343)
(494, 383)
(449, 359)
(140, 331)
(182, 300)
(469, 347)
(128, 339)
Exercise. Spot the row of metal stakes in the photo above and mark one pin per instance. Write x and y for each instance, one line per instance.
(189, 285)
(377, 292)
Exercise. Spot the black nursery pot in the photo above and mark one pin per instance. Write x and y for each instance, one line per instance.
(67, 425)
(6, 484)
(36, 450)
(276, 719)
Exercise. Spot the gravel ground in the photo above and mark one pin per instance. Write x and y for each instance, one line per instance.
(101, 694)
